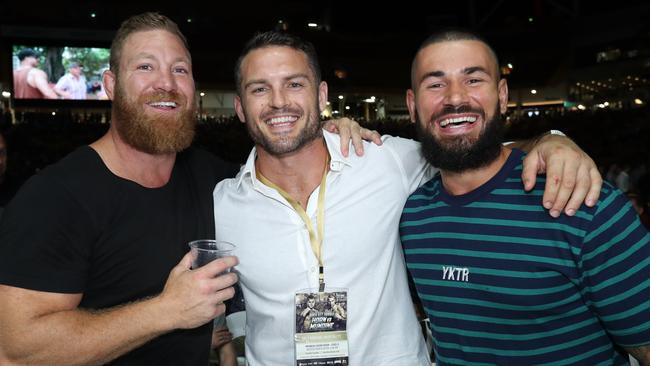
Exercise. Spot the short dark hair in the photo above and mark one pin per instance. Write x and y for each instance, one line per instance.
(275, 38)
(456, 34)
(27, 52)
(141, 23)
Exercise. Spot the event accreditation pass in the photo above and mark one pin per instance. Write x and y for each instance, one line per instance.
(321, 328)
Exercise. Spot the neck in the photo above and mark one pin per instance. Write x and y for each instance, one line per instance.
(464, 182)
(297, 173)
(151, 171)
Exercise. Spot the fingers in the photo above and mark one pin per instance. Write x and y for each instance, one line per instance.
(186, 262)
(372, 136)
(552, 188)
(357, 141)
(224, 283)
(580, 190)
(224, 295)
(529, 172)
(218, 266)
(596, 185)
(329, 126)
(344, 134)
(221, 337)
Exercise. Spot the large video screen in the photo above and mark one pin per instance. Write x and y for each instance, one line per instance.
(58, 72)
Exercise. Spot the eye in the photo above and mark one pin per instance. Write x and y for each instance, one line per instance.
(181, 70)
(474, 81)
(146, 67)
(435, 85)
(258, 90)
(295, 85)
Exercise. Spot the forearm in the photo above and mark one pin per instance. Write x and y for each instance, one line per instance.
(524, 145)
(227, 355)
(528, 144)
(81, 337)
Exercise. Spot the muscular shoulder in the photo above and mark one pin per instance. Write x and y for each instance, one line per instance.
(36, 73)
(73, 179)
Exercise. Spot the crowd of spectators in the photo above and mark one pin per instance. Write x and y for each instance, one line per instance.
(618, 140)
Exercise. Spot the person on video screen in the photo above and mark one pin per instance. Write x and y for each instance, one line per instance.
(30, 82)
(73, 84)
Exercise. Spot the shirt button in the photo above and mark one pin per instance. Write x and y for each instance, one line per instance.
(313, 269)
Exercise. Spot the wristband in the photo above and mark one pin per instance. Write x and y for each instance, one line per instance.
(557, 132)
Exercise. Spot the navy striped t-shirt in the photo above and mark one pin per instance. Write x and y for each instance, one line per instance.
(503, 283)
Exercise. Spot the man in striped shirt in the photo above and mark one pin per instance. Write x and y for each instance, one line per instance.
(503, 282)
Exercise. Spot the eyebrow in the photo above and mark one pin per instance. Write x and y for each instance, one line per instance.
(152, 57)
(466, 71)
(263, 81)
(474, 69)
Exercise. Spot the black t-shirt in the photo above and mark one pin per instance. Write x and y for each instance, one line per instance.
(77, 228)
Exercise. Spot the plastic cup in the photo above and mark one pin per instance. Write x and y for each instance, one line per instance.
(205, 251)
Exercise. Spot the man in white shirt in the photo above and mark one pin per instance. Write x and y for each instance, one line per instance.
(299, 208)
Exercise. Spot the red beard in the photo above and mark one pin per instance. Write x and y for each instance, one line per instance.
(154, 134)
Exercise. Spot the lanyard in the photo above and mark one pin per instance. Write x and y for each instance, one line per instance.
(316, 239)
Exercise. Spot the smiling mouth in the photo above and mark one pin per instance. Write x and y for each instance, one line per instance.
(456, 122)
(163, 105)
(280, 120)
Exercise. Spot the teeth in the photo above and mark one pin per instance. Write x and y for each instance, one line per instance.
(447, 121)
(163, 104)
(281, 119)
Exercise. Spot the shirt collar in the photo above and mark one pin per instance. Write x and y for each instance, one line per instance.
(249, 169)
(337, 160)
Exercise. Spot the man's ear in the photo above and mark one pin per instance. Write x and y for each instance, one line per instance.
(239, 109)
(410, 104)
(108, 78)
(322, 96)
(503, 95)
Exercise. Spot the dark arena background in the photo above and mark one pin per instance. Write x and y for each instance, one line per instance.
(582, 67)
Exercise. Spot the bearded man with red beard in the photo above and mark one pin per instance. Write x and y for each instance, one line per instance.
(93, 263)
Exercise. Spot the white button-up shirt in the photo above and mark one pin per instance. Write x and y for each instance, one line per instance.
(361, 252)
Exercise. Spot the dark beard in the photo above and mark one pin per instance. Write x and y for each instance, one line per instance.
(149, 134)
(462, 154)
(311, 131)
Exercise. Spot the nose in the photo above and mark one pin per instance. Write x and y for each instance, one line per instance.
(456, 95)
(279, 99)
(165, 81)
